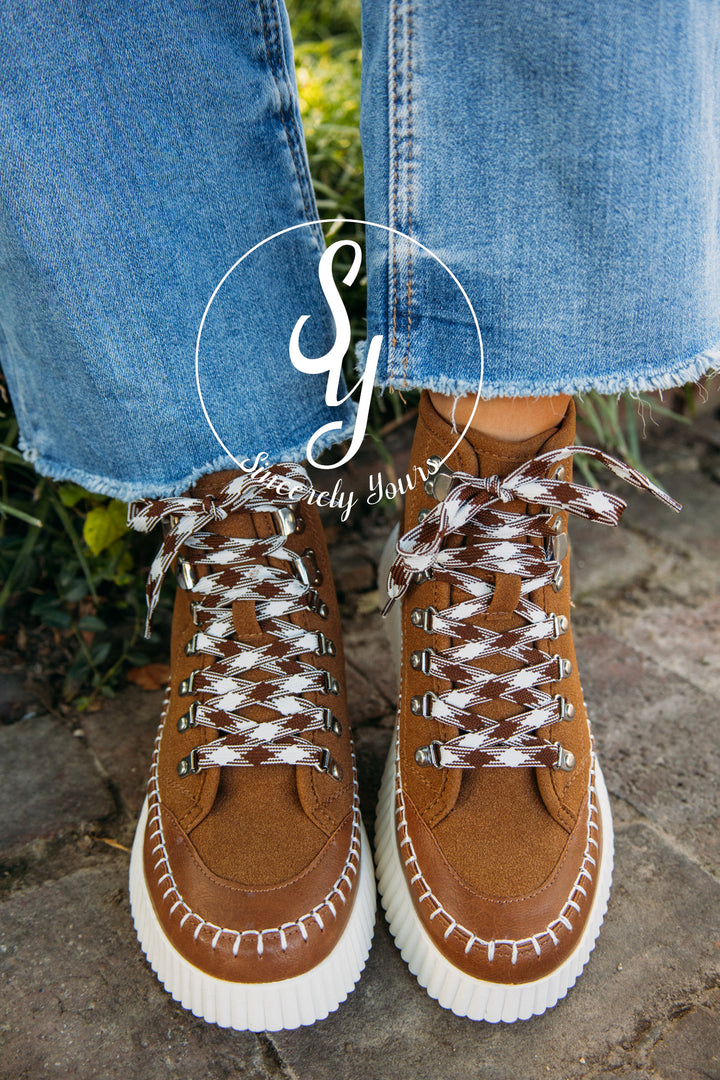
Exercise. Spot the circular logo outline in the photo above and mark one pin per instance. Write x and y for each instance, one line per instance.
(333, 221)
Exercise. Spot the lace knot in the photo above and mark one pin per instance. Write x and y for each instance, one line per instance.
(496, 542)
(494, 486)
(213, 509)
(190, 515)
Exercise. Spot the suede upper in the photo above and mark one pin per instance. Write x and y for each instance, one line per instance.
(268, 854)
(499, 849)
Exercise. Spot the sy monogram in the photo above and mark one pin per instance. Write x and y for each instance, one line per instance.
(331, 361)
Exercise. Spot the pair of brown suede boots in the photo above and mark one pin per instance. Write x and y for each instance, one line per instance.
(251, 877)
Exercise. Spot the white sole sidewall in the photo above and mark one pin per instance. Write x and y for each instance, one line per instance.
(276, 1006)
(455, 990)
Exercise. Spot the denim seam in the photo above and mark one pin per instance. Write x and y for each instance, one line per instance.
(400, 195)
(294, 134)
(409, 187)
(394, 184)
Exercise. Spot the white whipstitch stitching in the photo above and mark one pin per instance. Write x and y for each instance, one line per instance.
(458, 928)
(351, 866)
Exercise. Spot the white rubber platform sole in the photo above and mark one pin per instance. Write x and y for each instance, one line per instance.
(452, 988)
(275, 1006)
(447, 984)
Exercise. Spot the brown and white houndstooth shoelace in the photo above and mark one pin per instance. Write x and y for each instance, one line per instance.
(238, 570)
(498, 542)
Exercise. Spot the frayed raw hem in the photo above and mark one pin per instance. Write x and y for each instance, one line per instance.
(705, 363)
(126, 492)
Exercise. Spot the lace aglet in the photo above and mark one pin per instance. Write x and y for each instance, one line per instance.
(388, 606)
(151, 596)
(394, 590)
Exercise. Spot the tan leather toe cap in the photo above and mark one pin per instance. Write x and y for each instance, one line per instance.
(503, 940)
(244, 934)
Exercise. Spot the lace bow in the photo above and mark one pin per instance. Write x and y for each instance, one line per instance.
(498, 541)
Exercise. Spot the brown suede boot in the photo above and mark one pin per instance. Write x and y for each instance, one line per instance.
(494, 839)
(251, 881)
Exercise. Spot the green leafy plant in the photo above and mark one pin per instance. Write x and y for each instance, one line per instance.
(617, 422)
(72, 579)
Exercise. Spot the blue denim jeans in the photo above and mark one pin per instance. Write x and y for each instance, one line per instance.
(562, 160)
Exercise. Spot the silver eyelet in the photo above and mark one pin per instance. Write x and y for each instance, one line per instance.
(421, 704)
(556, 546)
(564, 667)
(566, 759)
(331, 722)
(558, 473)
(558, 580)
(185, 574)
(189, 764)
(317, 605)
(439, 484)
(429, 755)
(187, 720)
(305, 567)
(424, 575)
(561, 624)
(285, 520)
(187, 685)
(191, 646)
(325, 646)
(560, 547)
(421, 516)
(194, 607)
(567, 709)
(329, 765)
(332, 686)
(557, 525)
(420, 660)
(423, 617)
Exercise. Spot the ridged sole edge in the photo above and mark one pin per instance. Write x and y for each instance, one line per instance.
(276, 1006)
(454, 989)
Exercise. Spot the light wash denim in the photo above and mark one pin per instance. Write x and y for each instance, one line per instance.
(144, 147)
(562, 159)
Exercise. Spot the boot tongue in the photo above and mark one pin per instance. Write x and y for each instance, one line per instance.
(491, 799)
(480, 454)
(496, 457)
(213, 483)
(238, 524)
(483, 455)
(241, 784)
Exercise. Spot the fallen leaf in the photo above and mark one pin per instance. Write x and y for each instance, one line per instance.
(111, 843)
(149, 677)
